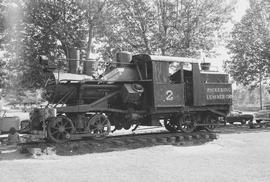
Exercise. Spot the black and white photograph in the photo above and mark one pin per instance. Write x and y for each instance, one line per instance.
(134, 90)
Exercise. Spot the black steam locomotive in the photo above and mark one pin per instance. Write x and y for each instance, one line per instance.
(140, 90)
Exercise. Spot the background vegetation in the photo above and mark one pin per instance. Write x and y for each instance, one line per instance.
(165, 27)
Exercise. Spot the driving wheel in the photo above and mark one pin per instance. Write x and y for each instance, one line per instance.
(171, 124)
(60, 128)
(187, 123)
(243, 122)
(99, 126)
(211, 121)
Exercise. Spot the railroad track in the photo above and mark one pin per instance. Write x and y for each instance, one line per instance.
(118, 142)
(145, 137)
(237, 128)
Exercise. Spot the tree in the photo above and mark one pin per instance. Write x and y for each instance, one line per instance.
(51, 28)
(55, 27)
(10, 42)
(128, 25)
(3, 26)
(187, 27)
(94, 10)
(250, 45)
(165, 27)
(2, 35)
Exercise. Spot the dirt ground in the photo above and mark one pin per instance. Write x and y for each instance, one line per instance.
(232, 157)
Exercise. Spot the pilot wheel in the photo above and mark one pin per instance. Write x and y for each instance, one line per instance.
(60, 129)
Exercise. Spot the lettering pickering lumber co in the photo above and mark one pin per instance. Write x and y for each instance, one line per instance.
(219, 90)
(213, 97)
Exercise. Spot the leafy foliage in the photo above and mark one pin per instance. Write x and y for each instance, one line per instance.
(2, 22)
(165, 27)
(11, 27)
(2, 37)
(250, 45)
(55, 27)
(51, 28)
(247, 98)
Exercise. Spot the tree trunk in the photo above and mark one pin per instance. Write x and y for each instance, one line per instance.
(89, 43)
(146, 44)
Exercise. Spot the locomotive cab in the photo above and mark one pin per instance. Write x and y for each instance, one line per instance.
(194, 96)
(181, 88)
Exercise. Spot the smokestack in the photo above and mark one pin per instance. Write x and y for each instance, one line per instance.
(88, 67)
(74, 60)
(123, 57)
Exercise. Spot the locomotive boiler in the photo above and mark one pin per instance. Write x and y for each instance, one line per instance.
(140, 90)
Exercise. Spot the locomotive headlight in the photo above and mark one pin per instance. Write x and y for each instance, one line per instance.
(131, 93)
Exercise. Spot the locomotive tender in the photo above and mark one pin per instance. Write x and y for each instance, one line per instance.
(140, 90)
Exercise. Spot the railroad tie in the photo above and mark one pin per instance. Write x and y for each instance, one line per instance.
(188, 137)
(153, 140)
(179, 138)
(213, 136)
(142, 140)
(196, 136)
(117, 142)
(161, 140)
(129, 141)
(171, 139)
(205, 136)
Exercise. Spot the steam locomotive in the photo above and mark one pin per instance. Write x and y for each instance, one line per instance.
(140, 90)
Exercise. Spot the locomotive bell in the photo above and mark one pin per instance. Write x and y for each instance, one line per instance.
(205, 66)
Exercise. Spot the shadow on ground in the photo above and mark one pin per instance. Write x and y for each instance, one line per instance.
(13, 155)
(87, 146)
(92, 146)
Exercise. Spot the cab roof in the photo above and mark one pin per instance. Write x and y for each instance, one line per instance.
(146, 57)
